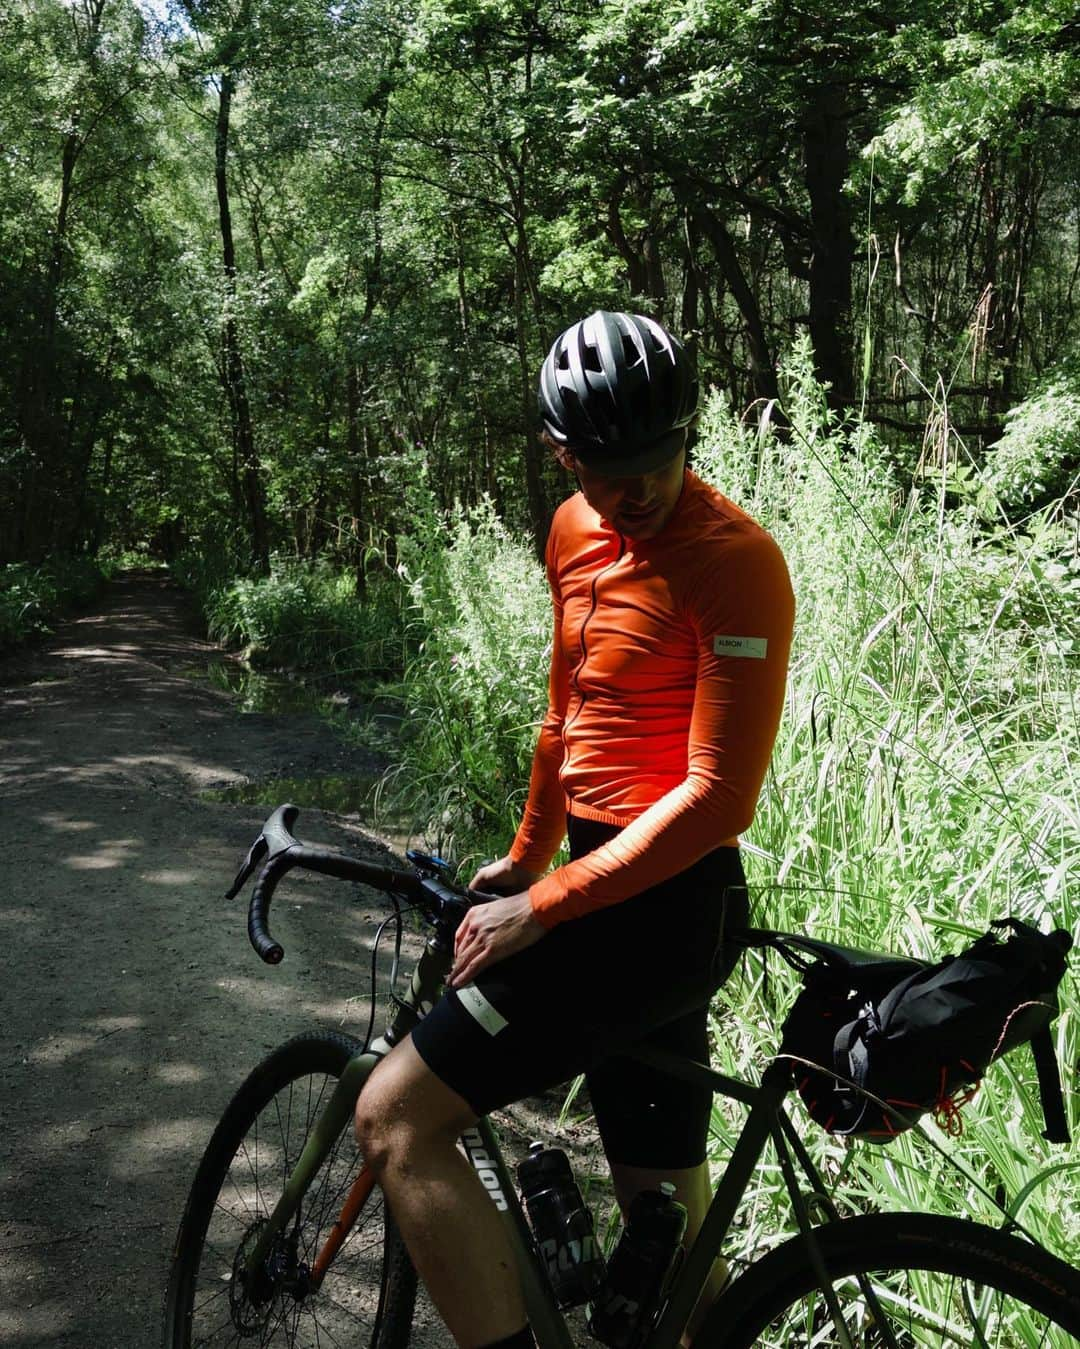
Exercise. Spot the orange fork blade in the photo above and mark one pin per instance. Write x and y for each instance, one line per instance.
(354, 1202)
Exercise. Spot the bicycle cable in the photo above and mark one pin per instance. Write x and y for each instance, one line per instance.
(395, 918)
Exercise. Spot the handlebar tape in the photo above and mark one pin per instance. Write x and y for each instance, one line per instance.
(329, 864)
(259, 911)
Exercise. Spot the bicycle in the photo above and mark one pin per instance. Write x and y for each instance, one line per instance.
(285, 1239)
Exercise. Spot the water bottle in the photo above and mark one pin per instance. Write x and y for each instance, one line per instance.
(562, 1225)
(626, 1306)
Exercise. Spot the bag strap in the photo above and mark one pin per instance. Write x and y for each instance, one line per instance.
(1053, 1103)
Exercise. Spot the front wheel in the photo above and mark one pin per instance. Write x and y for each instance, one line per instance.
(366, 1297)
(902, 1281)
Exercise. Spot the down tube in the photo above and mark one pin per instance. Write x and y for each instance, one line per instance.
(337, 1114)
(545, 1319)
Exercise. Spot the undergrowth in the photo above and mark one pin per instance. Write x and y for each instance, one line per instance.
(33, 597)
(309, 616)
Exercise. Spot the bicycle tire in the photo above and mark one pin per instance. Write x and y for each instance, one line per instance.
(369, 1292)
(940, 1281)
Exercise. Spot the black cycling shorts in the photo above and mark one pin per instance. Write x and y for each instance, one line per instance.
(640, 971)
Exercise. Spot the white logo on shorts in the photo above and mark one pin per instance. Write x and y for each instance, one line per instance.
(481, 1010)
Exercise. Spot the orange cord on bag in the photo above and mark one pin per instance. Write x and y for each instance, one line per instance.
(947, 1108)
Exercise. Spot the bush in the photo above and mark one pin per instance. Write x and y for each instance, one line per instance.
(308, 615)
(1038, 456)
(31, 597)
(473, 691)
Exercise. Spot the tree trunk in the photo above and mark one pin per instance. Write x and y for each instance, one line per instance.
(762, 364)
(235, 379)
(355, 451)
(691, 289)
(826, 158)
(534, 483)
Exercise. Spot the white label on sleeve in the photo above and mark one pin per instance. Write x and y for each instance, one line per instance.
(752, 647)
(481, 1010)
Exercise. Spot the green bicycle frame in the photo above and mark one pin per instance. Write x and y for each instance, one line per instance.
(424, 989)
(765, 1122)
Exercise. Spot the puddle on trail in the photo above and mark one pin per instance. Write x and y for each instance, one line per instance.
(258, 691)
(342, 794)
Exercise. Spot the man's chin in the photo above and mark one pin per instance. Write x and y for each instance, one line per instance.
(640, 527)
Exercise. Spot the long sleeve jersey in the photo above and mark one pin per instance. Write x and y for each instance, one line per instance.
(666, 687)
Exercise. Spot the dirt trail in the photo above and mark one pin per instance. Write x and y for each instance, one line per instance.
(131, 1002)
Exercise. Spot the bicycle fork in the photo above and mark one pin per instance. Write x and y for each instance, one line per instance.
(424, 989)
(480, 1145)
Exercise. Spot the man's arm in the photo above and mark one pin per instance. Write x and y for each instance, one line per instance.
(744, 629)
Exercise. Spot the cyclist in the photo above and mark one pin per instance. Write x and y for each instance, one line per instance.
(673, 619)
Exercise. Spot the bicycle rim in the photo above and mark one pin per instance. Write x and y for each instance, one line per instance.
(903, 1282)
(366, 1297)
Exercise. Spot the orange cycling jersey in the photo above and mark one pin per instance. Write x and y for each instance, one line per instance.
(666, 688)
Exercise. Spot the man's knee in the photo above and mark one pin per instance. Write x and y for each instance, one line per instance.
(374, 1122)
(404, 1107)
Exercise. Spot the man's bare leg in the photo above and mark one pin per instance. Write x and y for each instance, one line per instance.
(692, 1188)
(407, 1125)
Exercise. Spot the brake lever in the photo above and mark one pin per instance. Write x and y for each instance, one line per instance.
(256, 853)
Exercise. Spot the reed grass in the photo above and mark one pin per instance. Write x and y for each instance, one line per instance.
(927, 777)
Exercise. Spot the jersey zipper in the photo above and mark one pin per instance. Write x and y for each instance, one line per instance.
(575, 678)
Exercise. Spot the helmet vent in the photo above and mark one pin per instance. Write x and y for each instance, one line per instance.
(615, 386)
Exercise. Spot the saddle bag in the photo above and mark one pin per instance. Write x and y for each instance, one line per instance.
(875, 1044)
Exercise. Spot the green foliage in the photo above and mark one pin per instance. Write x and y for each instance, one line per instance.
(927, 774)
(309, 615)
(473, 692)
(1038, 457)
(32, 597)
(974, 88)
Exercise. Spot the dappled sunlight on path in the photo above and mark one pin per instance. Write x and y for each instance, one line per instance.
(133, 1005)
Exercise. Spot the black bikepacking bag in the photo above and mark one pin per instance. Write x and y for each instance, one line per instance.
(919, 1037)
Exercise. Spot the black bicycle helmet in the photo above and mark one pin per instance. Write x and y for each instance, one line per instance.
(617, 389)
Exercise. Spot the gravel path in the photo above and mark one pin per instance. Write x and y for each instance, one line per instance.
(131, 1002)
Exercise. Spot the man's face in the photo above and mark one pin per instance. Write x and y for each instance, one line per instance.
(638, 508)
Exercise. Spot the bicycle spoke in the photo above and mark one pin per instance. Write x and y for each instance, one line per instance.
(262, 1154)
(325, 1330)
(210, 1339)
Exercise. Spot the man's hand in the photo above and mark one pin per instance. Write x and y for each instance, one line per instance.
(503, 878)
(491, 931)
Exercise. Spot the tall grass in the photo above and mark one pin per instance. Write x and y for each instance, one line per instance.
(309, 616)
(472, 693)
(927, 776)
(925, 779)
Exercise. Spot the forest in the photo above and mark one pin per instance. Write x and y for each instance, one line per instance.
(276, 280)
(268, 267)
